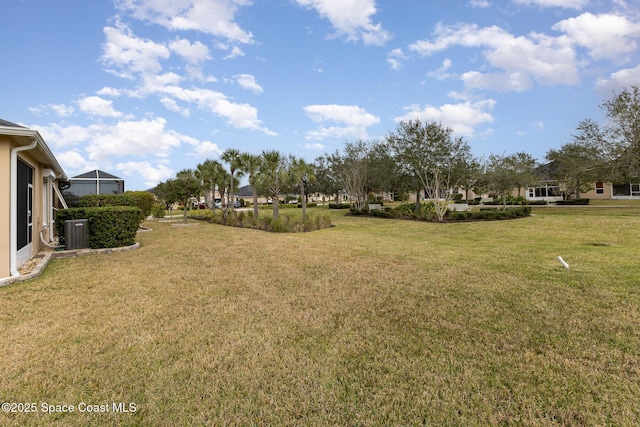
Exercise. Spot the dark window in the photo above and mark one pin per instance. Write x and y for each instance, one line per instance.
(24, 203)
(621, 190)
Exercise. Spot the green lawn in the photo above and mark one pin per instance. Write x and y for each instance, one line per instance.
(371, 322)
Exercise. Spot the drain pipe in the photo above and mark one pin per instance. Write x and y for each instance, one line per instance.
(14, 204)
(49, 245)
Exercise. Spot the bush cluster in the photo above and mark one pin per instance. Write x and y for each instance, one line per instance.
(284, 223)
(201, 214)
(510, 200)
(407, 211)
(109, 227)
(339, 206)
(158, 210)
(144, 200)
(140, 199)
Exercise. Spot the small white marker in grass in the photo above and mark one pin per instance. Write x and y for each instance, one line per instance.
(564, 264)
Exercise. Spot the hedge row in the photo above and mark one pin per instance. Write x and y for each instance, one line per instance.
(102, 200)
(573, 202)
(405, 212)
(140, 199)
(109, 227)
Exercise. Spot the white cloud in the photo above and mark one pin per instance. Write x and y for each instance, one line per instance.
(618, 80)
(353, 119)
(247, 81)
(74, 163)
(441, 73)
(96, 145)
(521, 60)
(96, 106)
(605, 36)
(568, 4)
(151, 175)
(314, 146)
(194, 53)
(215, 17)
(538, 125)
(62, 110)
(147, 137)
(109, 91)
(501, 82)
(171, 105)
(60, 135)
(241, 116)
(234, 53)
(351, 115)
(395, 58)
(205, 149)
(351, 18)
(131, 54)
(481, 4)
(463, 118)
(137, 138)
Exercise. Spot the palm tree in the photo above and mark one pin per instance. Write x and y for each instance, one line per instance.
(209, 173)
(251, 165)
(302, 175)
(274, 174)
(232, 157)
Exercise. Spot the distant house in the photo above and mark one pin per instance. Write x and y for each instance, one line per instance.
(29, 195)
(92, 182)
(550, 190)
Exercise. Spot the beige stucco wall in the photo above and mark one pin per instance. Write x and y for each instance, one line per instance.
(5, 206)
(6, 144)
(607, 195)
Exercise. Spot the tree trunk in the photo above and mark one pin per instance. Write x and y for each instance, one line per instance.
(221, 191)
(418, 205)
(184, 211)
(577, 189)
(254, 190)
(231, 201)
(303, 200)
(275, 206)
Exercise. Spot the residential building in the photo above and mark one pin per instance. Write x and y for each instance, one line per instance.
(29, 195)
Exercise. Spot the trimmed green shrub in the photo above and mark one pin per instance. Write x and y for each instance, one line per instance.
(355, 211)
(109, 227)
(339, 206)
(382, 214)
(201, 214)
(144, 200)
(102, 200)
(309, 205)
(158, 210)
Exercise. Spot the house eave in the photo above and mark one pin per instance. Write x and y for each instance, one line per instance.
(24, 136)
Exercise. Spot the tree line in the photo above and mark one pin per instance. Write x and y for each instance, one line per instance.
(423, 158)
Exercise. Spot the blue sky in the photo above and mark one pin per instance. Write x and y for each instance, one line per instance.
(145, 88)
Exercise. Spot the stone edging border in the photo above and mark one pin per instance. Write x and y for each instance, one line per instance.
(39, 268)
